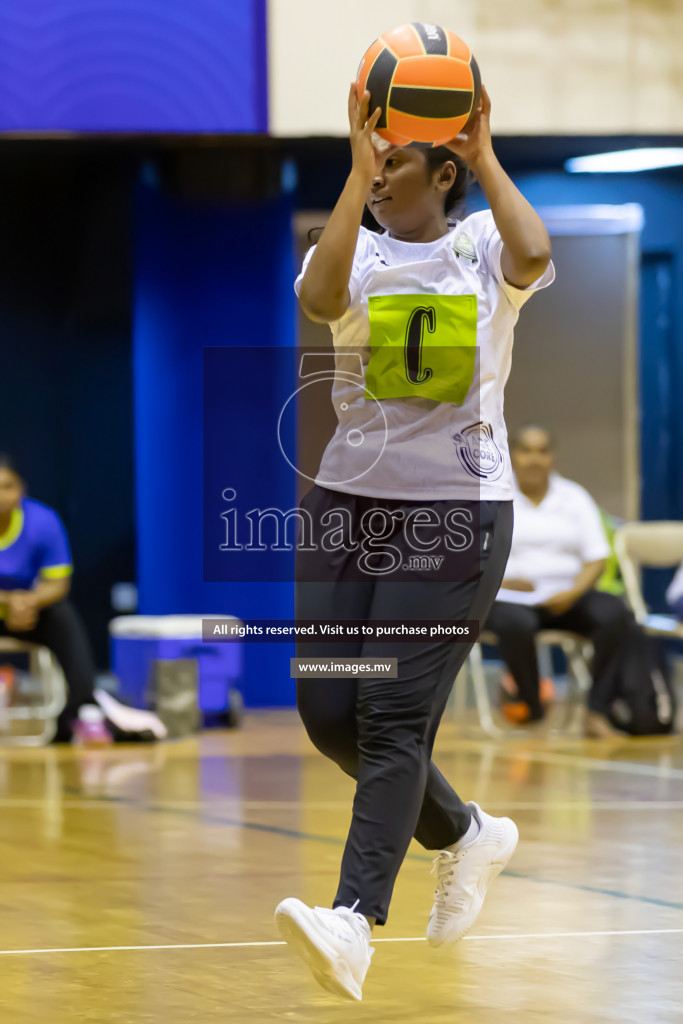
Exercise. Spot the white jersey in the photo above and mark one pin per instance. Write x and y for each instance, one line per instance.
(422, 355)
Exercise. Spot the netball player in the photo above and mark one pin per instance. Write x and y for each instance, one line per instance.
(427, 435)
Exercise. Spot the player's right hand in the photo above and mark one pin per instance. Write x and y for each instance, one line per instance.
(22, 613)
(368, 159)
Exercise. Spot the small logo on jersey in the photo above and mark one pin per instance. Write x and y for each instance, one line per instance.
(479, 454)
(463, 246)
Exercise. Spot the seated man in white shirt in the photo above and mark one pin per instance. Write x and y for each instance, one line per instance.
(558, 554)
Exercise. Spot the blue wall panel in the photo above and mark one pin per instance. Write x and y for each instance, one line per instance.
(208, 276)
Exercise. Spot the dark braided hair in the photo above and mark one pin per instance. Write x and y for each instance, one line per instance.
(454, 202)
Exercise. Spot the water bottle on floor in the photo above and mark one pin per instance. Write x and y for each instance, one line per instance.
(6, 681)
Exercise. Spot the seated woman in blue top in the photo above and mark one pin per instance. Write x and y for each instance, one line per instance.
(35, 574)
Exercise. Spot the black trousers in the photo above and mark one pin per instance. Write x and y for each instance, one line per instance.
(381, 731)
(59, 628)
(603, 618)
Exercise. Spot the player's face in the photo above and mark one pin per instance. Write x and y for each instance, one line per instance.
(532, 459)
(10, 491)
(406, 198)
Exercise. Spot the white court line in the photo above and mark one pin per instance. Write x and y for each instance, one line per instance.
(421, 938)
(570, 760)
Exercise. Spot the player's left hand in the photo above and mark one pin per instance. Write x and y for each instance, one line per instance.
(475, 138)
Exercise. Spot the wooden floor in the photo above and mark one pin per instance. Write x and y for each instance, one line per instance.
(138, 884)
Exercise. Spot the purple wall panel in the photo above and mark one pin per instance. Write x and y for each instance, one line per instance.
(133, 65)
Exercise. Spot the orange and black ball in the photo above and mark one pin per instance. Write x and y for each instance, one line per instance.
(426, 81)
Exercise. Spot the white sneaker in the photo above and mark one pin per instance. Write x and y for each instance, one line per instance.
(464, 875)
(132, 720)
(334, 943)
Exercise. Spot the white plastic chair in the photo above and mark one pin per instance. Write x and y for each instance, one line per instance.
(656, 545)
(44, 667)
(577, 649)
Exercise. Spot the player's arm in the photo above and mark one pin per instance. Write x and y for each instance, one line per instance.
(595, 547)
(588, 576)
(584, 581)
(53, 581)
(324, 292)
(47, 592)
(512, 583)
(526, 244)
(23, 606)
(41, 595)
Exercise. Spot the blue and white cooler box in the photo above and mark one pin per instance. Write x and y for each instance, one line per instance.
(138, 640)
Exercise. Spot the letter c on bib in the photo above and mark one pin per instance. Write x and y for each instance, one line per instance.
(420, 318)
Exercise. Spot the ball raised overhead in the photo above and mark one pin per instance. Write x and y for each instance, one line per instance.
(426, 81)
